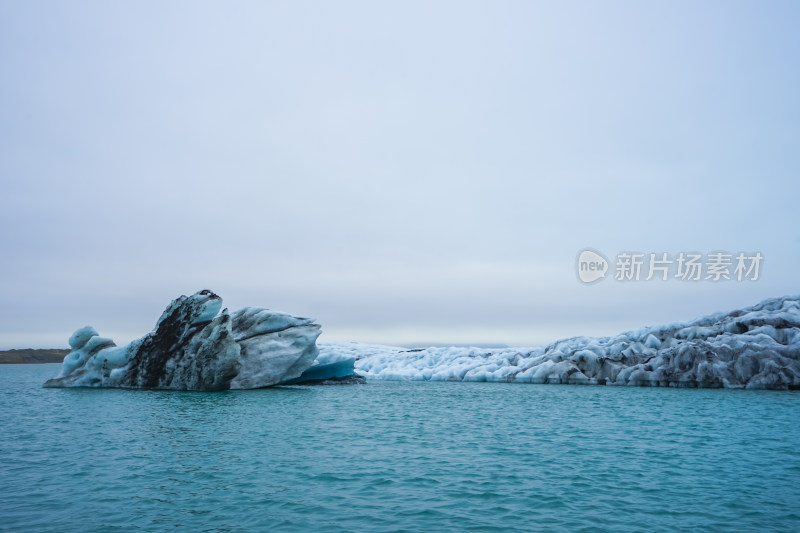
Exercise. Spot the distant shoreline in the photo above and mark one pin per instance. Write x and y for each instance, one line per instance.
(29, 356)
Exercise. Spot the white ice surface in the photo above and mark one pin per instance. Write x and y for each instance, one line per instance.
(755, 347)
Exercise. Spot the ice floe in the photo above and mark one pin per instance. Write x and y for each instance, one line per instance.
(195, 346)
(756, 347)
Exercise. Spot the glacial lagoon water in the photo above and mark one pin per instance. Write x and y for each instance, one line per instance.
(396, 456)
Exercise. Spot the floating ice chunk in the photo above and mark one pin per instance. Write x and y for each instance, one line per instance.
(195, 346)
(755, 347)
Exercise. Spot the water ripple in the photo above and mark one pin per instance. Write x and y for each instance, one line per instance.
(396, 457)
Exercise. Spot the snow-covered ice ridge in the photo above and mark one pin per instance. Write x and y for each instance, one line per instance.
(195, 346)
(756, 347)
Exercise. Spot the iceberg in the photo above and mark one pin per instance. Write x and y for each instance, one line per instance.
(757, 347)
(195, 346)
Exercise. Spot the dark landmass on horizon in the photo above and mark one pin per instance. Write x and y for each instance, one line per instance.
(31, 356)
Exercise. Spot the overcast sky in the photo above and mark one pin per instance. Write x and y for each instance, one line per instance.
(404, 172)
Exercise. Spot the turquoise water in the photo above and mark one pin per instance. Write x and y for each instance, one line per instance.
(396, 457)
